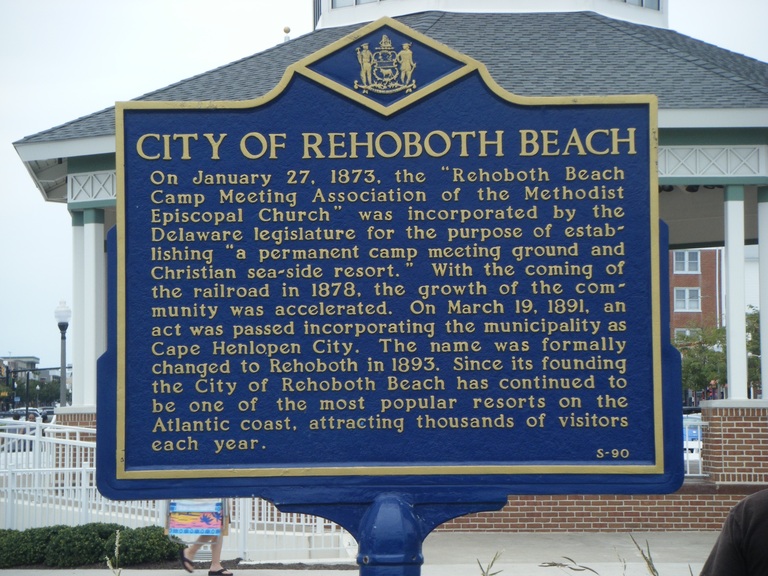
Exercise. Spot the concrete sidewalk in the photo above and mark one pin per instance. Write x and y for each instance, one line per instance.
(457, 554)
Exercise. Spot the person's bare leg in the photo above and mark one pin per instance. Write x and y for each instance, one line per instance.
(216, 554)
(191, 551)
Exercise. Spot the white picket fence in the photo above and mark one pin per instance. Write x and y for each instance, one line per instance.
(47, 477)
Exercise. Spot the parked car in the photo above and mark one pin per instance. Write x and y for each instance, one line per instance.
(24, 411)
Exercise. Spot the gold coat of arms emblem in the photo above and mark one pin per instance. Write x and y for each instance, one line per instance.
(385, 70)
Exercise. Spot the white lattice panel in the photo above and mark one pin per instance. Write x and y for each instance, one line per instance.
(90, 186)
(713, 161)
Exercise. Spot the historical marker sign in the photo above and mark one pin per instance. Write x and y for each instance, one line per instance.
(389, 272)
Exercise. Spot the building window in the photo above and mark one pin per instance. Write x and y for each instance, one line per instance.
(652, 4)
(687, 334)
(345, 3)
(687, 262)
(687, 300)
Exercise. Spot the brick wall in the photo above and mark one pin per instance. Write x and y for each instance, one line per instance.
(696, 506)
(81, 419)
(735, 447)
(734, 458)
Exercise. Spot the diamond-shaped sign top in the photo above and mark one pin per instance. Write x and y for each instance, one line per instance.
(386, 66)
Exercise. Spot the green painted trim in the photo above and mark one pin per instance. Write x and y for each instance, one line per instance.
(713, 137)
(77, 219)
(96, 163)
(88, 204)
(762, 194)
(714, 181)
(734, 194)
(93, 216)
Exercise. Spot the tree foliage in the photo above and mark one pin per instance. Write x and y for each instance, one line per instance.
(47, 394)
(704, 361)
(703, 352)
(753, 347)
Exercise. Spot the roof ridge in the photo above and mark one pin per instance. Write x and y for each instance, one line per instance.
(687, 52)
(631, 58)
(237, 62)
(159, 91)
(435, 15)
(106, 110)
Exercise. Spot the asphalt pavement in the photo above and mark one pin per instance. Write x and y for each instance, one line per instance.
(528, 554)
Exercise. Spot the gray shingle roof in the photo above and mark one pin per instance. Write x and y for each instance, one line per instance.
(547, 54)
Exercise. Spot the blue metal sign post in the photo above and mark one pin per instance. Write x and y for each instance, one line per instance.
(389, 293)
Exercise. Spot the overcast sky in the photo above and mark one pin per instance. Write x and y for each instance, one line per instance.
(60, 60)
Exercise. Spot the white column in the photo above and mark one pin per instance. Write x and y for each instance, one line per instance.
(735, 303)
(76, 330)
(762, 235)
(94, 298)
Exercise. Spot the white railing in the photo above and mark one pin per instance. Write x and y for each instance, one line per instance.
(692, 441)
(47, 477)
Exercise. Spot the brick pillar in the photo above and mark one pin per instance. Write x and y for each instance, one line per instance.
(735, 441)
(76, 416)
(65, 458)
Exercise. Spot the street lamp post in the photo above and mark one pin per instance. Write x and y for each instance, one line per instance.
(63, 315)
(26, 399)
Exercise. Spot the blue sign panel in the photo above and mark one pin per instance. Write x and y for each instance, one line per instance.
(389, 272)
